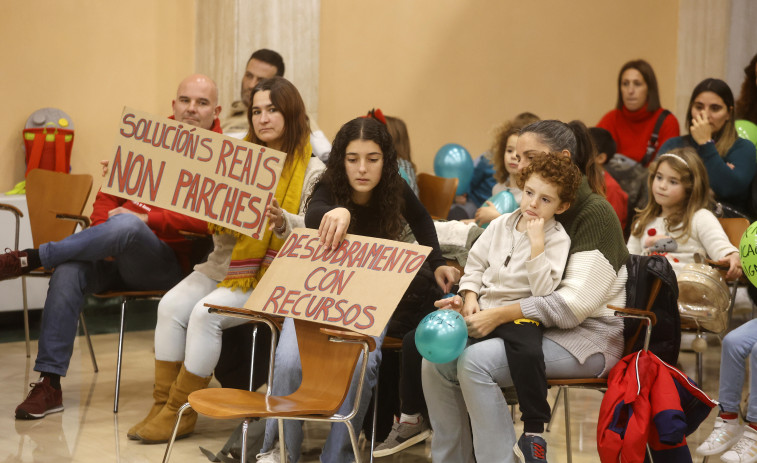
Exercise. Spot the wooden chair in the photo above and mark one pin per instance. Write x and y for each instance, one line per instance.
(328, 357)
(55, 201)
(436, 194)
(648, 318)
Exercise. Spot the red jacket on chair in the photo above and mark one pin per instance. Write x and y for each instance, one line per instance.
(649, 401)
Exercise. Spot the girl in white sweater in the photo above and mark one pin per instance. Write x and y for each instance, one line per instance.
(676, 222)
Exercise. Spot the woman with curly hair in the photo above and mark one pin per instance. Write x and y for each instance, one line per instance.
(746, 106)
(360, 192)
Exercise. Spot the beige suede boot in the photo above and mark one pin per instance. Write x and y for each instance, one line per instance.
(165, 375)
(158, 430)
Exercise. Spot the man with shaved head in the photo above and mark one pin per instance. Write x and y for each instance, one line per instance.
(130, 246)
(196, 103)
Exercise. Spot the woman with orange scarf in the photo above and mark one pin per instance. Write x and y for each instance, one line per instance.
(187, 337)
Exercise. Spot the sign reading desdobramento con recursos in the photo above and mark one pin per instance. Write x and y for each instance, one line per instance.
(356, 286)
(193, 171)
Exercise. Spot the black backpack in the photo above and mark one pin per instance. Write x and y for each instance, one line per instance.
(666, 334)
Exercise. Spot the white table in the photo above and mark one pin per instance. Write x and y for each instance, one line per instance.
(10, 290)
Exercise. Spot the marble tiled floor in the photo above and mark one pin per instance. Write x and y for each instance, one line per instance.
(88, 431)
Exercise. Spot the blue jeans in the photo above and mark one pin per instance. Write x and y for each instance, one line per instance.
(287, 376)
(738, 345)
(470, 387)
(141, 262)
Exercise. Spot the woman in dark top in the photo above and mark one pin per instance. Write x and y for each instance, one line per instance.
(731, 161)
(360, 192)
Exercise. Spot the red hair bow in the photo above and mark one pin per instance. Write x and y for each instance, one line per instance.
(376, 114)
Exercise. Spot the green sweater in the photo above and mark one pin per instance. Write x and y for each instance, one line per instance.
(576, 315)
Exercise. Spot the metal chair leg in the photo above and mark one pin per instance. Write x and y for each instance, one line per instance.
(252, 356)
(89, 341)
(375, 416)
(26, 317)
(245, 427)
(171, 441)
(555, 404)
(282, 442)
(120, 354)
(353, 440)
(567, 425)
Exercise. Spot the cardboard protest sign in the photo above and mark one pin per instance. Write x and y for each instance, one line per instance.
(193, 171)
(357, 286)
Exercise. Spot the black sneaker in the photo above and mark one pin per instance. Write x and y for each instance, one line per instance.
(531, 449)
(13, 264)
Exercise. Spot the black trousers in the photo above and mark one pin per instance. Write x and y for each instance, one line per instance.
(412, 399)
(526, 360)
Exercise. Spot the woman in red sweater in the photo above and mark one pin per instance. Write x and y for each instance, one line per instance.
(632, 121)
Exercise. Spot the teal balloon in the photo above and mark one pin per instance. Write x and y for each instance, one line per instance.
(441, 336)
(748, 253)
(454, 161)
(504, 202)
(747, 129)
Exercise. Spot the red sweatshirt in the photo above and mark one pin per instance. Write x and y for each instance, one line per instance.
(632, 130)
(164, 223)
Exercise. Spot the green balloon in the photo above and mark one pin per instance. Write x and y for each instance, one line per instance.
(748, 253)
(747, 129)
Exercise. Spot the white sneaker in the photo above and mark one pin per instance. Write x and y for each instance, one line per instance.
(271, 456)
(725, 434)
(745, 450)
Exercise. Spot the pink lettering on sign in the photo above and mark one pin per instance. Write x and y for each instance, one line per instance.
(134, 174)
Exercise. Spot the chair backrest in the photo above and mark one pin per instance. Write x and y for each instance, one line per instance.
(436, 194)
(734, 228)
(49, 193)
(327, 367)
